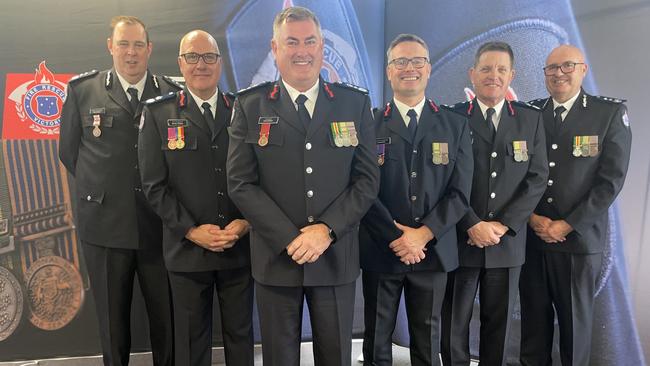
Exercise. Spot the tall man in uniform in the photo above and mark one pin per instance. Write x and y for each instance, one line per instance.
(408, 238)
(588, 143)
(121, 234)
(183, 146)
(303, 171)
(510, 171)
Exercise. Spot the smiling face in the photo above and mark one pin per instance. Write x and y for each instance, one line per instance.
(298, 51)
(410, 83)
(200, 78)
(563, 86)
(491, 77)
(130, 50)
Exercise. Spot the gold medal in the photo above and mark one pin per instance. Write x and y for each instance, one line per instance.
(593, 145)
(171, 144)
(576, 147)
(354, 140)
(96, 131)
(444, 148)
(180, 144)
(263, 141)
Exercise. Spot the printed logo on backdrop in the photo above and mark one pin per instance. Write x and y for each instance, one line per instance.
(33, 103)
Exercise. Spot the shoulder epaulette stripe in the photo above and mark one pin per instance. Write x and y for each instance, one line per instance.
(160, 98)
(83, 76)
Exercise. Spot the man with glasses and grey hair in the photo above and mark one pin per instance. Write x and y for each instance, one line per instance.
(301, 168)
(408, 237)
(120, 233)
(588, 143)
(183, 146)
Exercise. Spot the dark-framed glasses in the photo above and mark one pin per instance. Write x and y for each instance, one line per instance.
(208, 58)
(566, 67)
(403, 62)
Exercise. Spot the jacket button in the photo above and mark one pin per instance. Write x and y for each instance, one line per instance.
(554, 146)
(309, 170)
(551, 164)
(549, 200)
(220, 194)
(310, 193)
(308, 146)
(493, 175)
(550, 182)
(417, 219)
(494, 154)
(310, 218)
(88, 198)
(492, 195)
(221, 216)
(414, 174)
(413, 198)
(491, 215)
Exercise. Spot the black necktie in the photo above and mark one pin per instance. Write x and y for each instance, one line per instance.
(493, 130)
(207, 115)
(133, 92)
(413, 123)
(303, 114)
(558, 117)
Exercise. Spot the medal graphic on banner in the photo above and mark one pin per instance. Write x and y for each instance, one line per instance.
(344, 54)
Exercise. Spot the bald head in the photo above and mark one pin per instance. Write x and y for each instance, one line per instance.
(564, 72)
(197, 36)
(200, 63)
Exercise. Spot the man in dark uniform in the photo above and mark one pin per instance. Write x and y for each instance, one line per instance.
(120, 232)
(303, 171)
(510, 171)
(408, 238)
(588, 142)
(183, 147)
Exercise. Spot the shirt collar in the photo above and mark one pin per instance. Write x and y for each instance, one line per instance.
(212, 100)
(568, 104)
(139, 85)
(497, 109)
(311, 93)
(404, 108)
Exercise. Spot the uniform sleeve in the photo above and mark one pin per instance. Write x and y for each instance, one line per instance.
(257, 207)
(154, 174)
(531, 189)
(612, 169)
(455, 202)
(71, 132)
(352, 204)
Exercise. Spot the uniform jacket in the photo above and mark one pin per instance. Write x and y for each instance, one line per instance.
(503, 189)
(581, 188)
(417, 189)
(111, 208)
(187, 187)
(302, 177)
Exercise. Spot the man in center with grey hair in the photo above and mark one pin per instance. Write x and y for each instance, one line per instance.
(301, 168)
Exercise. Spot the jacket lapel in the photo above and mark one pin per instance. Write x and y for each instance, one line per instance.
(507, 123)
(321, 112)
(397, 125)
(192, 113)
(285, 108)
(117, 94)
(221, 117)
(478, 123)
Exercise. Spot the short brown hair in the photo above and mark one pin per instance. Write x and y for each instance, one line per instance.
(406, 37)
(495, 46)
(292, 14)
(130, 20)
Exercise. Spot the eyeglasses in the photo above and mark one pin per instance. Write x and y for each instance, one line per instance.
(567, 68)
(403, 62)
(208, 58)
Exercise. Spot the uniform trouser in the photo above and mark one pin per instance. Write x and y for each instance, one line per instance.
(566, 282)
(497, 295)
(193, 294)
(331, 310)
(423, 294)
(111, 272)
